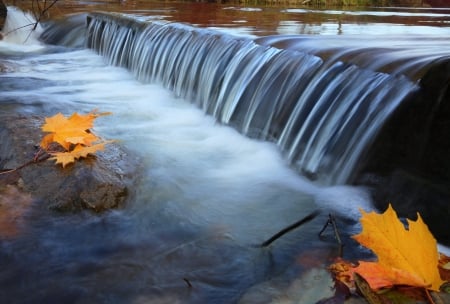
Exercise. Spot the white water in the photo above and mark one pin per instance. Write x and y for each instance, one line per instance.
(214, 173)
(20, 32)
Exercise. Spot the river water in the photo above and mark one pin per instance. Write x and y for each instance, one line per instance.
(207, 195)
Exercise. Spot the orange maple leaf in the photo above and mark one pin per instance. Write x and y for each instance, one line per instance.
(65, 158)
(73, 134)
(70, 131)
(407, 257)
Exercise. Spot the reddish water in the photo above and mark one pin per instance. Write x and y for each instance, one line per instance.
(278, 19)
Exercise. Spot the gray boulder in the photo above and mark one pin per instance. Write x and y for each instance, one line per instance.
(97, 183)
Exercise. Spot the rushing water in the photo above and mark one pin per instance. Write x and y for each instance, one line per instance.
(207, 196)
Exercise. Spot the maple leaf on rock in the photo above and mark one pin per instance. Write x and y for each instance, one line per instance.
(86, 121)
(68, 131)
(73, 134)
(47, 140)
(54, 123)
(65, 158)
(405, 256)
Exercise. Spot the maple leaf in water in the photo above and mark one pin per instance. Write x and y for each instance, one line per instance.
(73, 134)
(405, 256)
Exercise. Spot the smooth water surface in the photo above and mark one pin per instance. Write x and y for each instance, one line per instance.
(261, 20)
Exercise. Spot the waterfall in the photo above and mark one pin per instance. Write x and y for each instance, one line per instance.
(322, 114)
(21, 27)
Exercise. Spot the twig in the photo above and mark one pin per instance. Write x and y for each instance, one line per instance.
(332, 221)
(42, 11)
(276, 236)
(18, 28)
(188, 283)
(36, 159)
(429, 297)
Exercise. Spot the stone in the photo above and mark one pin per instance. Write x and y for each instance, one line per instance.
(97, 183)
(3, 13)
(408, 164)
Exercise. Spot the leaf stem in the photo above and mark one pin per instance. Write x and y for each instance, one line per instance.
(332, 221)
(429, 296)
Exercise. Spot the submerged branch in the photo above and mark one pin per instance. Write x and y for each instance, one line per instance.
(332, 221)
(282, 232)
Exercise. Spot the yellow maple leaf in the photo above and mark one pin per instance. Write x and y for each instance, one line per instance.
(408, 254)
(73, 134)
(47, 140)
(82, 151)
(86, 121)
(54, 123)
(70, 131)
(65, 158)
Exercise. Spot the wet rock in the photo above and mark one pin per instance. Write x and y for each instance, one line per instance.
(409, 164)
(3, 12)
(97, 183)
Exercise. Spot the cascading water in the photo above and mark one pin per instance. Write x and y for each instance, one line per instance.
(322, 115)
(21, 28)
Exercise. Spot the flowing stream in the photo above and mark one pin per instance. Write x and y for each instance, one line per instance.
(208, 192)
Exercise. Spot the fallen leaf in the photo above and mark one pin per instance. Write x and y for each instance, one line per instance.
(46, 141)
(343, 271)
(54, 123)
(71, 135)
(68, 131)
(371, 296)
(410, 252)
(86, 121)
(379, 276)
(65, 158)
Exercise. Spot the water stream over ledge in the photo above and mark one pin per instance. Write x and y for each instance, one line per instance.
(206, 199)
(207, 196)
